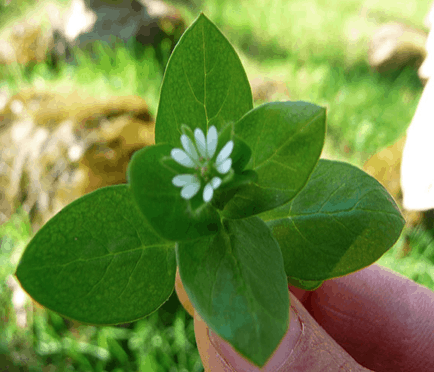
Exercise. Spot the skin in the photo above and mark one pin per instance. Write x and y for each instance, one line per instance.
(373, 319)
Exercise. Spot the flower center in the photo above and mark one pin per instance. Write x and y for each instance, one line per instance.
(204, 170)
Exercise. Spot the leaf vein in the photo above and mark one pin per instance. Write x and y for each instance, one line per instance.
(284, 143)
(276, 162)
(204, 78)
(191, 88)
(100, 280)
(344, 211)
(310, 244)
(298, 230)
(330, 196)
(94, 258)
(131, 275)
(223, 102)
(211, 300)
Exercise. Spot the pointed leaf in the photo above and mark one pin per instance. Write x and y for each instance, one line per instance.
(204, 84)
(151, 173)
(342, 221)
(286, 140)
(98, 261)
(237, 283)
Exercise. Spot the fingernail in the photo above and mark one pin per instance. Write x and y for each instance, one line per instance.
(235, 362)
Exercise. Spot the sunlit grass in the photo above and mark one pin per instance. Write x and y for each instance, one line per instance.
(366, 111)
(332, 30)
(109, 71)
(418, 264)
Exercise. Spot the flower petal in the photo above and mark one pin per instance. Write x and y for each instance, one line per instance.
(182, 158)
(184, 179)
(207, 193)
(216, 182)
(189, 147)
(224, 167)
(211, 141)
(200, 141)
(190, 190)
(225, 152)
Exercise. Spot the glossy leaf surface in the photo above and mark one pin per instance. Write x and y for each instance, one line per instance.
(204, 84)
(286, 139)
(342, 221)
(237, 283)
(98, 261)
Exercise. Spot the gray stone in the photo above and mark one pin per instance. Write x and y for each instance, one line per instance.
(88, 21)
(59, 144)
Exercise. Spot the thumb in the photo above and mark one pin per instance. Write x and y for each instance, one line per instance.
(305, 347)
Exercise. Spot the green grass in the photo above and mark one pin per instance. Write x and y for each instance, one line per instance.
(122, 70)
(366, 111)
(332, 30)
(318, 49)
(13, 9)
(418, 264)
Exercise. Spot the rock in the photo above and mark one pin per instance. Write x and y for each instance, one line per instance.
(120, 20)
(51, 28)
(74, 20)
(87, 21)
(58, 146)
(26, 40)
(268, 90)
(395, 45)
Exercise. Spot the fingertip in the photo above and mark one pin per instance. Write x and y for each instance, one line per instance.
(211, 360)
(182, 294)
(305, 347)
(218, 355)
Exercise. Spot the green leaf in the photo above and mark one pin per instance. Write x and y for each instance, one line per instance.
(150, 174)
(237, 283)
(98, 261)
(286, 139)
(342, 221)
(308, 285)
(204, 84)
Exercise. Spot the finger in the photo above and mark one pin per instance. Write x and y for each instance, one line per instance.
(305, 347)
(301, 294)
(384, 320)
(182, 294)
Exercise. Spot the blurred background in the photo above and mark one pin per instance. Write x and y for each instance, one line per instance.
(79, 87)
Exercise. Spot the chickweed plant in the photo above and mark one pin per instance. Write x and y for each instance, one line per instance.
(233, 196)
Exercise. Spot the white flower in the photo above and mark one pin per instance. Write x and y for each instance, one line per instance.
(189, 183)
(223, 161)
(200, 157)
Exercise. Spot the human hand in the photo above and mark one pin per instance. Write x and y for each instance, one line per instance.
(373, 319)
